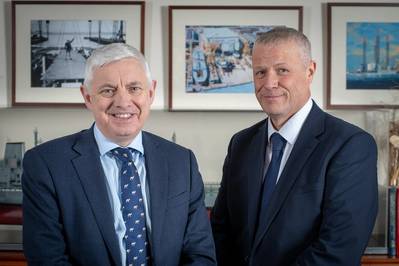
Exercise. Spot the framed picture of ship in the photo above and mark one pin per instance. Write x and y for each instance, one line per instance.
(53, 39)
(210, 47)
(363, 55)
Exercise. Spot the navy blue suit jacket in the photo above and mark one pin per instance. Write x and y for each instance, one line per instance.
(322, 210)
(67, 213)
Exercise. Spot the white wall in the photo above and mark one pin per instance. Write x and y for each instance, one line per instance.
(5, 45)
(207, 133)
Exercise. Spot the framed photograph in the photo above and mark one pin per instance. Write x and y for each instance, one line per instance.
(210, 48)
(363, 55)
(52, 39)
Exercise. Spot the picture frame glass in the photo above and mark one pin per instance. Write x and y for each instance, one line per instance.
(363, 56)
(210, 54)
(51, 46)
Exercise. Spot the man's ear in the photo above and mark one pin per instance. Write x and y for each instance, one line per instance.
(86, 96)
(152, 90)
(311, 70)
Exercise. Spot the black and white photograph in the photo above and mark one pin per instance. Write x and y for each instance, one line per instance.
(51, 41)
(59, 48)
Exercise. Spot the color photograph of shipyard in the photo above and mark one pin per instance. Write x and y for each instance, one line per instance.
(59, 48)
(372, 56)
(218, 58)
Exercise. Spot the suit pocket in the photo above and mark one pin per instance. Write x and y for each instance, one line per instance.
(177, 200)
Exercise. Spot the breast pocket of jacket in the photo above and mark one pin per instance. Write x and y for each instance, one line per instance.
(177, 199)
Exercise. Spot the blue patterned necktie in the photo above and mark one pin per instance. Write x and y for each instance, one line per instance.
(269, 182)
(133, 211)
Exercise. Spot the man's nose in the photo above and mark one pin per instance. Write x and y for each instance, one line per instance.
(123, 98)
(270, 80)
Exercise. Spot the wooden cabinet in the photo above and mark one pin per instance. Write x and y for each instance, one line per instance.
(12, 258)
(376, 260)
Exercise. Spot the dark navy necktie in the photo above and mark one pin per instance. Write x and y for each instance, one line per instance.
(269, 182)
(133, 211)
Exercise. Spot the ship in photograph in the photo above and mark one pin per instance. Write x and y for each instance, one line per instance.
(10, 173)
(372, 57)
(59, 48)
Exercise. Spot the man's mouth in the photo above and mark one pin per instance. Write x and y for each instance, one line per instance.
(122, 115)
(273, 96)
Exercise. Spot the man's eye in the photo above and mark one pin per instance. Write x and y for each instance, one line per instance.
(260, 74)
(282, 71)
(135, 90)
(107, 92)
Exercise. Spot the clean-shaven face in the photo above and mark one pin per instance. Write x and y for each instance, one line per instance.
(120, 98)
(282, 81)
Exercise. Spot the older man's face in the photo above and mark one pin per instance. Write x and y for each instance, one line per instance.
(120, 98)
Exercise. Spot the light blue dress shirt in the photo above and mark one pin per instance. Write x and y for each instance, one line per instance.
(111, 171)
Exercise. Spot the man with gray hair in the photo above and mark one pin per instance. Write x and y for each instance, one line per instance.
(115, 194)
(300, 187)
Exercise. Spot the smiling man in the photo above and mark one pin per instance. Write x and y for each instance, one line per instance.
(300, 187)
(115, 194)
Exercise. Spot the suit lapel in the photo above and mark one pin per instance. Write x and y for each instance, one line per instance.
(157, 176)
(256, 156)
(90, 172)
(303, 148)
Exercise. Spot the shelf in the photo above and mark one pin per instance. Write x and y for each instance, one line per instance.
(12, 258)
(374, 260)
(16, 258)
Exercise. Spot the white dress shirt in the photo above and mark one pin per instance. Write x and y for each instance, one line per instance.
(289, 131)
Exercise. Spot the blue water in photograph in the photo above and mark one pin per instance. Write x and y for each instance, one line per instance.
(243, 88)
(218, 58)
(372, 56)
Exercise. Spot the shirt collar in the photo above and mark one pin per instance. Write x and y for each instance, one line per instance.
(105, 145)
(290, 130)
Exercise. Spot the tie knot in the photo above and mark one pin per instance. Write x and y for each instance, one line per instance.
(278, 142)
(123, 154)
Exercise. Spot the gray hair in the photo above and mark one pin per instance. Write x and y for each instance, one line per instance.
(279, 34)
(111, 53)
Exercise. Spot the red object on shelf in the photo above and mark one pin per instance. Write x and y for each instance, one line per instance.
(397, 222)
(10, 214)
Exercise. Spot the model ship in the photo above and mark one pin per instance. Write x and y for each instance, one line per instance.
(11, 172)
